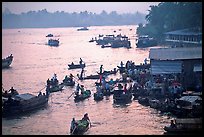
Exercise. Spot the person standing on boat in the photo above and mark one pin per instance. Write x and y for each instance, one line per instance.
(125, 88)
(101, 69)
(86, 118)
(121, 64)
(73, 125)
(71, 77)
(82, 72)
(77, 89)
(82, 89)
(80, 62)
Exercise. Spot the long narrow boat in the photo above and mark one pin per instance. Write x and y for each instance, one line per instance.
(81, 128)
(185, 126)
(76, 66)
(96, 76)
(6, 62)
(23, 103)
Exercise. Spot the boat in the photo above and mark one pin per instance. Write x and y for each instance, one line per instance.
(55, 88)
(49, 35)
(143, 100)
(68, 82)
(82, 29)
(96, 76)
(98, 96)
(146, 41)
(76, 66)
(120, 97)
(81, 127)
(185, 126)
(86, 94)
(53, 42)
(121, 69)
(6, 62)
(104, 40)
(121, 41)
(23, 103)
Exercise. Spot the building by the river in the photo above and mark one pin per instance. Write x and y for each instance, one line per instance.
(184, 38)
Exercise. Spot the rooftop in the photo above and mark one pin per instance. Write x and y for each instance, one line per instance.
(175, 53)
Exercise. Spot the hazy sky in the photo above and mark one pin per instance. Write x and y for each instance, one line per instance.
(95, 7)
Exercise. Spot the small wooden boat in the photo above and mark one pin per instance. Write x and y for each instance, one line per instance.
(81, 127)
(96, 76)
(49, 35)
(121, 69)
(120, 97)
(53, 42)
(185, 126)
(98, 96)
(68, 83)
(76, 66)
(86, 94)
(22, 103)
(143, 100)
(82, 29)
(6, 62)
(55, 88)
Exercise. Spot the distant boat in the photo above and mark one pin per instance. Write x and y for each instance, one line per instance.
(146, 41)
(81, 29)
(53, 42)
(6, 62)
(49, 35)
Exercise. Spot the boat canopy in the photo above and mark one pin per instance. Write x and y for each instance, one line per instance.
(26, 96)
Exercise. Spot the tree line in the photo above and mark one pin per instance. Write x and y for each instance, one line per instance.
(45, 19)
(170, 16)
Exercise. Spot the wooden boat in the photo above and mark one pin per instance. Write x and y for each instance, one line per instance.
(6, 94)
(185, 126)
(6, 62)
(146, 41)
(86, 94)
(49, 35)
(96, 76)
(68, 83)
(98, 96)
(121, 43)
(53, 42)
(81, 128)
(55, 88)
(82, 29)
(121, 69)
(23, 103)
(143, 100)
(76, 66)
(120, 97)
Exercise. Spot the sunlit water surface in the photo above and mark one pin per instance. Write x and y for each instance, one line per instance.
(34, 62)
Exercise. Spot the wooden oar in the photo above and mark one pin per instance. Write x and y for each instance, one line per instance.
(42, 88)
(73, 130)
(70, 95)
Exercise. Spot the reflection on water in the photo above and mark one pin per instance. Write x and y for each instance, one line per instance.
(34, 62)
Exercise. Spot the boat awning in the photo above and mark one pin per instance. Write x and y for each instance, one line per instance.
(191, 99)
(165, 67)
(189, 121)
(26, 96)
(197, 68)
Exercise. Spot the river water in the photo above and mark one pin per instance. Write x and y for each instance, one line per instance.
(34, 62)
